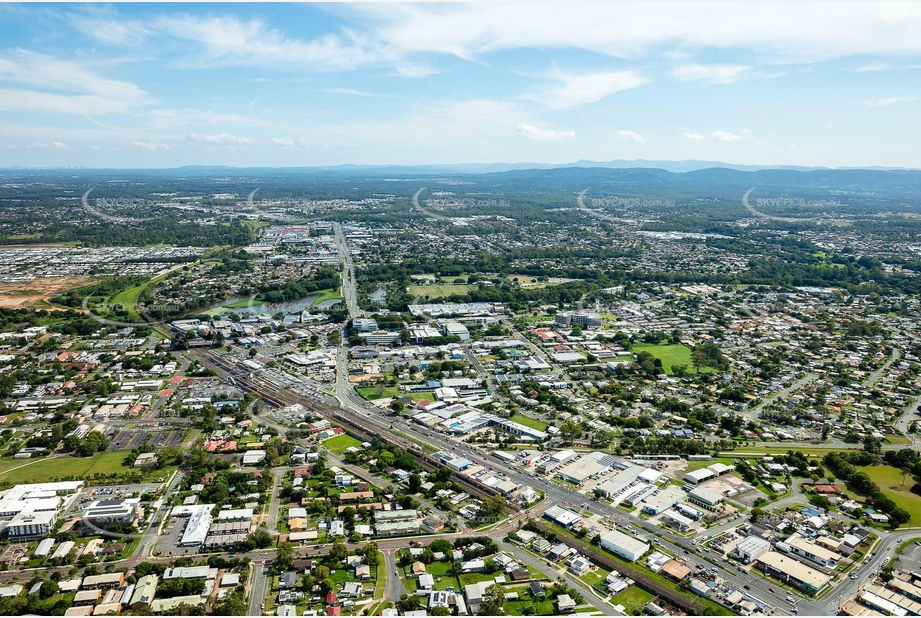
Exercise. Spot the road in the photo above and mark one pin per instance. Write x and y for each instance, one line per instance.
(427, 213)
(809, 378)
(258, 588)
(394, 588)
(870, 381)
(147, 541)
(348, 272)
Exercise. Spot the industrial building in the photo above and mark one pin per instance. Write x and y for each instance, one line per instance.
(813, 552)
(663, 500)
(751, 548)
(704, 497)
(792, 571)
(677, 521)
(589, 465)
(624, 546)
(561, 516)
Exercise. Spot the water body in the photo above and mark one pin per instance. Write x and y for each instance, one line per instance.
(291, 306)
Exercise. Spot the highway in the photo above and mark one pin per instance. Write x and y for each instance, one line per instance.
(348, 272)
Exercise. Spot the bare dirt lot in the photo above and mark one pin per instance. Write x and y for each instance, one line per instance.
(29, 293)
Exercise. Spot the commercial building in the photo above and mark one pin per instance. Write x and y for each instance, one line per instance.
(677, 521)
(704, 497)
(813, 552)
(199, 521)
(561, 516)
(663, 500)
(624, 546)
(589, 465)
(30, 526)
(751, 548)
(792, 571)
(103, 513)
(584, 319)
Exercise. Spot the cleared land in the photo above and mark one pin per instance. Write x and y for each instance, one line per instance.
(632, 599)
(670, 354)
(37, 292)
(338, 444)
(389, 392)
(43, 470)
(438, 290)
(527, 421)
(890, 482)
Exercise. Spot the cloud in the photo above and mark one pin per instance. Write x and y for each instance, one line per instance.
(728, 136)
(632, 136)
(415, 71)
(350, 91)
(61, 145)
(712, 73)
(221, 139)
(697, 137)
(232, 41)
(37, 145)
(884, 101)
(544, 135)
(779, 33)
(151, 146)
(575, 90)
(884, 66)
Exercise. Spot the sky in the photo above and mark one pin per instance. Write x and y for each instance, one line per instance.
(280, 85)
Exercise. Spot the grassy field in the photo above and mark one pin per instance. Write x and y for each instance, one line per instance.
(527, 421)
(438, 290)
(45, 470)
(670, 354)
(129, 298)
(889, 480)
(761, 451)
(632, 599)
(338, 444)
(389, 392)
(325, 295)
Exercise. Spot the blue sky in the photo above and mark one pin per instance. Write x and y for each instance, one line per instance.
(140, 85)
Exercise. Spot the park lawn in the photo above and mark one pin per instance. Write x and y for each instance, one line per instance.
(890, 482)
(129, 297)
(380, 578)
(379, 392)
(434, 291)
(44, 470)
(633, 598)
(527, 421)
(670, 354)
(338, 444)
(325, 295)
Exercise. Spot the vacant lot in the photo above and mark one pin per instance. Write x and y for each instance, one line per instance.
(38, 291)
(338, 444)
(527, 421)
(45, 470)
(890, 481)
(669, 354)
(632, 599)
(438, 291)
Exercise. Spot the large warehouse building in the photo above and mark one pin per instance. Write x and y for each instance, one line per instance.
(624, 546)
(793, 571)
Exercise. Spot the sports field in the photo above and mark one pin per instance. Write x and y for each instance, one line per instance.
(670, 354)
(438, 290)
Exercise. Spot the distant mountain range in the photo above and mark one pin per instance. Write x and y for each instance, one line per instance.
(491, 168)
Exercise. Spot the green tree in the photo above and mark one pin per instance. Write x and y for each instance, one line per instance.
(493, 601)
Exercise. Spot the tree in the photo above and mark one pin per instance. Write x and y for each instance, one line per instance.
(48, 589)
(385, 459)
(339, 552)
(415, 483)
(369, 552)
(493, 601)
(284, 560)
(570, 431)
(440, 610)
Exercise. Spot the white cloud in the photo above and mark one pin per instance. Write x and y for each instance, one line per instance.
(220, 139)
(350, 91)
(697, 137)
(229, 40)
(712, 73)
(632, 136)
(728, 136)
(786, 32)
(883, 101)
(284, 142)
(37, 145)
(575, 90)
(151, 146)
(415, 71)
(542, 135)
(61, 145)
